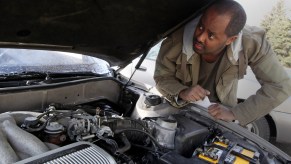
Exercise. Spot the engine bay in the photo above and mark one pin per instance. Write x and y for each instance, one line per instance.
(61, 130)
(84, 122)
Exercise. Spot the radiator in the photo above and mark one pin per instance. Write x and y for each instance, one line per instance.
(80, 152)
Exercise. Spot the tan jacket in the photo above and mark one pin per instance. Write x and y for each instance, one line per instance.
(172, 76)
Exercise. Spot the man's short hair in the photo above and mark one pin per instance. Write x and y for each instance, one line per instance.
(235, 11)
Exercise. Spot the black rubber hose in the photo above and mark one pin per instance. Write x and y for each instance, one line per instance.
(154, 141)
(127, 144)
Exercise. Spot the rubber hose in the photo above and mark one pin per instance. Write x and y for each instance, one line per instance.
(22, 141)
(7, 153)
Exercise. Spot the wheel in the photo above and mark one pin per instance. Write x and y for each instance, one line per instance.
(261, 128)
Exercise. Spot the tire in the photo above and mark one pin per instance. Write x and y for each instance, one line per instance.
(261, 128)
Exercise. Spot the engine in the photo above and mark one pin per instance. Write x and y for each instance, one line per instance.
(98, 133)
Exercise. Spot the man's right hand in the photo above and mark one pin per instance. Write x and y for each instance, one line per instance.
(194, 93)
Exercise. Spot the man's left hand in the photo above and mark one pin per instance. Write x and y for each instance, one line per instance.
(220, 112)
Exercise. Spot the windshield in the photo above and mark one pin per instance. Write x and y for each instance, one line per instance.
(24, 60)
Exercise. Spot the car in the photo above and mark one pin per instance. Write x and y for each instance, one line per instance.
(63, 100)
(272, 126)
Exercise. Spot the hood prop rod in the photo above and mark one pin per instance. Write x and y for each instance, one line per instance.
(147, 49)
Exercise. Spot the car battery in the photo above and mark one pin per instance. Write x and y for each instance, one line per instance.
(211, 155)
(223, 151)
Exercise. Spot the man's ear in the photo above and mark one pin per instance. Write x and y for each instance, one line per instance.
(231, 39)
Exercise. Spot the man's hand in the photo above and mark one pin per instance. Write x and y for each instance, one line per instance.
(194, 93)
(220, 112)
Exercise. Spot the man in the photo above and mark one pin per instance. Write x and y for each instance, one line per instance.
(210, 54)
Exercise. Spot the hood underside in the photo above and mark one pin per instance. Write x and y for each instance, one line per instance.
(116, 31)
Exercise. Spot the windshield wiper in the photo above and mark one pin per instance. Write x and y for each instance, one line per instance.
(42, 78)
(22, 75)
(45, 75)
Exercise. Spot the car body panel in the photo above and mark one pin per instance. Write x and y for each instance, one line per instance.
(117, 31)
(282, 122)
(76, 92)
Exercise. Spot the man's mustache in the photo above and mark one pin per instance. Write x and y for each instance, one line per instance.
(195, 41)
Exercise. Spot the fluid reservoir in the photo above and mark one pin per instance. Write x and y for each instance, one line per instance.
(165, 131)
(54, 133)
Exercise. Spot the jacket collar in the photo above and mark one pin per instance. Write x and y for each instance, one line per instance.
(233, 49)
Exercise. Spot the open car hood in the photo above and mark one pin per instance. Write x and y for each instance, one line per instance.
(117, 31)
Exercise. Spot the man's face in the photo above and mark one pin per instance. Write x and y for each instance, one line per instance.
(209, 36)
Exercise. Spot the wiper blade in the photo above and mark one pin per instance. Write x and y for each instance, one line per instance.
(45, 75)
(23, 75)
